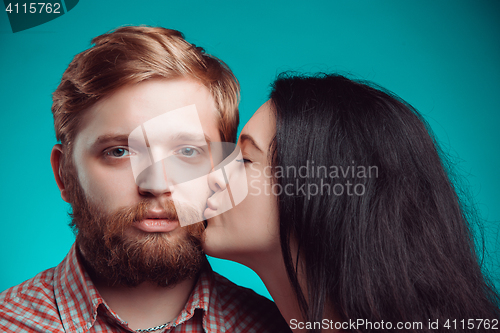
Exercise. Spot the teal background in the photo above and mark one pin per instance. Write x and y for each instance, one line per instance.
(443, 57)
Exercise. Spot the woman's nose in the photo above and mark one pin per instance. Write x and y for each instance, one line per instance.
(216, 180)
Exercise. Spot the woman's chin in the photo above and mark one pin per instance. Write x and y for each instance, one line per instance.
(210, 213)
(211, 237)
(216, 241)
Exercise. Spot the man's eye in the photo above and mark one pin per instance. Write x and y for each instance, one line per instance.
(118, 152)
(187, 152)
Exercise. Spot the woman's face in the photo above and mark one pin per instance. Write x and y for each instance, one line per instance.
(252, 226)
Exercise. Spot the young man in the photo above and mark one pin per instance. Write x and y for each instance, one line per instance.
(133, 267)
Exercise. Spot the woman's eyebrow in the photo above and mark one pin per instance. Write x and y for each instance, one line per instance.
(249, 138)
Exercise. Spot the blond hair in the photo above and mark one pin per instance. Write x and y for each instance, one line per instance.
(131, 55)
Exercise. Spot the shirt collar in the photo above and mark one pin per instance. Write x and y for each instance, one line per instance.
(76, 296)
(78, 299)
(205, 297)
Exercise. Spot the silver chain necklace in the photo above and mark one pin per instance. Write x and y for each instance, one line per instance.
(152, 329)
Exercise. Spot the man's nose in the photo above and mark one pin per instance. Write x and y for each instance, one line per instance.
(153, 180)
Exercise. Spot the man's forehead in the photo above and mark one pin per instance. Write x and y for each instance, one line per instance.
(134, 105)
(184, 121)
(160, 95)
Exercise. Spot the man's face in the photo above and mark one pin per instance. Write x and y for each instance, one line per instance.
(122, 212)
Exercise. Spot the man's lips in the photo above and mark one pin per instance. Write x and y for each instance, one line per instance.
(156, 225)
(157, 221)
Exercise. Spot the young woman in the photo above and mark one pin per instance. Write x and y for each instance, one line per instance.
(351, 215)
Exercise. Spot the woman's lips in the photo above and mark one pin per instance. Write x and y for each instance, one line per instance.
(209, 213)
(156, 225)
(211, 204)
(211, 209)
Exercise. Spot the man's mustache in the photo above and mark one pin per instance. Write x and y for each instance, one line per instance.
(124, 218)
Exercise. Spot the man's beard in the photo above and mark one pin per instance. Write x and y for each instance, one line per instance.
(118, 259)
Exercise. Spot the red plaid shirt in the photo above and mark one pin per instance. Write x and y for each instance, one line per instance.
(64, 299)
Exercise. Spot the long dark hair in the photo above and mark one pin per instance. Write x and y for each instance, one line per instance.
(399, 247)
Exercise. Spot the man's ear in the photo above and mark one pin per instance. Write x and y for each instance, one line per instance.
(55, 160)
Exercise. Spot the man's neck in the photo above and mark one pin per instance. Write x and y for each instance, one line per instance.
(147, 305)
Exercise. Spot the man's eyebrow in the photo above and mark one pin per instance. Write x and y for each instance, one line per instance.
(187, 136)
(183, 136)
(249, 138)
(104, 139)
